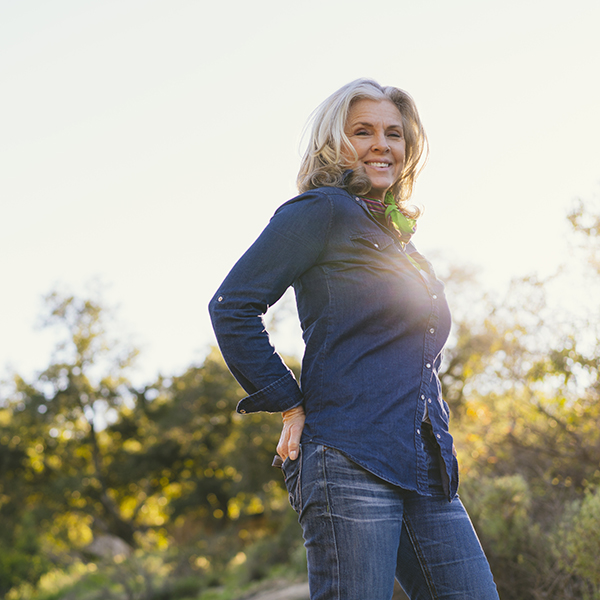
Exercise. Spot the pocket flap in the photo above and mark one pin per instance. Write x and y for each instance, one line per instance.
(372, 240)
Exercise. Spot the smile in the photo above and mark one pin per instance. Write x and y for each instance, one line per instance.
(377, 164)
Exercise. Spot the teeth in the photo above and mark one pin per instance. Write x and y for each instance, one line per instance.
(378, 164)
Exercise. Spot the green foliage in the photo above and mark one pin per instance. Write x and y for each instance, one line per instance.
(174, 472)
(167, 466)
(21, 558)
(527, 429)
(503, 511)
(578, 542)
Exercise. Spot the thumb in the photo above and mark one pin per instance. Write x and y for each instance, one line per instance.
(294, 441)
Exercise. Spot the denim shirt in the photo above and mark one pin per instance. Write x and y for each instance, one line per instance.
(373, 325)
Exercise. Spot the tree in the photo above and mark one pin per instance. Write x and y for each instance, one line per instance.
(85, 453)
(523, 382)
(63, 455)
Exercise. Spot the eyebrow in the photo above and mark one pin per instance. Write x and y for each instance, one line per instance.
(367, 124)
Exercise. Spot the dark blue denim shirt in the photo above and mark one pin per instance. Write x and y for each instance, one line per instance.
(374, 328)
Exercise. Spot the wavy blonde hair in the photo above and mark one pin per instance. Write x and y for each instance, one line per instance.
(324, 162)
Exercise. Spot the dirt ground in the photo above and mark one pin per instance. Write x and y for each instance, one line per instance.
(299, 591)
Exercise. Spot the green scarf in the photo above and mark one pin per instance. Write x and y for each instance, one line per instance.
(390, 213)
(405, 226)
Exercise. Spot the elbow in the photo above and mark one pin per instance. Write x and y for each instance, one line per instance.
(232, 314)
(214, 308)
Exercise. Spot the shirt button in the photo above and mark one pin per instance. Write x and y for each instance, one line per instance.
(376, 245)
(438, 436)
(242, 411)
(220, 299)
(428, 365)
(434, 297)
(419, 431)
(429, 400)
(432, 330)
(422, 397)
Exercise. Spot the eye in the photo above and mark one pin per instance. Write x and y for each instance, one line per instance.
(396, 134)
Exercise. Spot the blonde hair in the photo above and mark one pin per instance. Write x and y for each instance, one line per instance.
(324, 162)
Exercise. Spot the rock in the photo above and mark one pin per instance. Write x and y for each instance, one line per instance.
(108, 546)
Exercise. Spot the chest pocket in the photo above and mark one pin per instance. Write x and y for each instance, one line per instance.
(374, 241)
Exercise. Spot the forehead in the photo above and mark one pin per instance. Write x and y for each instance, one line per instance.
(374, 111)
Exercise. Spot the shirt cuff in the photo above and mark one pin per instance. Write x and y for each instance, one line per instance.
(279, 396)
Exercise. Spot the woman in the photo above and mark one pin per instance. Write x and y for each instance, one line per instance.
(374, 479)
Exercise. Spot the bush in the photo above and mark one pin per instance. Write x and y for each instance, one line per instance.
(578, 542)
(501, 510)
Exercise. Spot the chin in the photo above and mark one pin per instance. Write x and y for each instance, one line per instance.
(377, 192)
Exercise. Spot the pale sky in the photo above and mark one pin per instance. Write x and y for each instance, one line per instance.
(147, 143)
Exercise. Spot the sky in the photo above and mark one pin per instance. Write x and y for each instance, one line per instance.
(145, 144)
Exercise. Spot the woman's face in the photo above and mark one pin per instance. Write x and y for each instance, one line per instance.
(374, 128)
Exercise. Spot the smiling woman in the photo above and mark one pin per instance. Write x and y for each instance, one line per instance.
(365, 449)
(332, 150)
(375, 131)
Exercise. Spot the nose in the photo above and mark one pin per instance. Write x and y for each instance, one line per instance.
(380, 142)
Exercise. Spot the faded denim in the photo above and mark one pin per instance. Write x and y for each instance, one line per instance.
(360, 532)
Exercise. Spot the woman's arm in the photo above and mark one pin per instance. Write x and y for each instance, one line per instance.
(290, 244)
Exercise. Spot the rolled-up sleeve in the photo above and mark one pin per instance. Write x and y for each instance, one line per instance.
(291, 243)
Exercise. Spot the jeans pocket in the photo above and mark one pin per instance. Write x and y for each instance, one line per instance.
(292, 470)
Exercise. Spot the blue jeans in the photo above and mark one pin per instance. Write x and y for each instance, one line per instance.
(360, 532)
